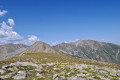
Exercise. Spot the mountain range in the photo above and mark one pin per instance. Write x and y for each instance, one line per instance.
(89, 49)
(101, 51)
(10, 50)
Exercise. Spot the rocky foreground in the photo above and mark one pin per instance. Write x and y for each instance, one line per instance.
(56, 71)
(50, 66)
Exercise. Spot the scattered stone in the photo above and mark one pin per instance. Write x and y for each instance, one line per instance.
(50, 64)
(39, 70)
(6, 66)
(55, 76)
(20, 75)
(62, 77)
(7, 75)
(13, 69)
(81, 75)
(2, 71)
(74, 78)
(40, 76)
(68, 73)
(78, 71)
(24, 64)
(55, 68)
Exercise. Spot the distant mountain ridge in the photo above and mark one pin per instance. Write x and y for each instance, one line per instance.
(10, 50)
(90, 49)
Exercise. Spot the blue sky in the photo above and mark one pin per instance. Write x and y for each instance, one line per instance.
(56, 21)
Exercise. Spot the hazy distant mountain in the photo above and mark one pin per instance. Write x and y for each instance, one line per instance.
(40, 46)
(10, 50)
(90, 49)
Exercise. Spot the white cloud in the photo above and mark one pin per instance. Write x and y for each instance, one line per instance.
(2, 13)
(7, 35)
(30, 40)
(11, 22)
(33, 38)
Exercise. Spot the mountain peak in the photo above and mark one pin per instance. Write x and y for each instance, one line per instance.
(40, 46)
(40, 42)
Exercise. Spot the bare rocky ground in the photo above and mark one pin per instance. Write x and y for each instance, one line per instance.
(57, 71)
(44, 66)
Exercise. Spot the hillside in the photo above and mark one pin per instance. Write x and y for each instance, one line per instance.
(101, 51)
(10, 50)
(50, 66)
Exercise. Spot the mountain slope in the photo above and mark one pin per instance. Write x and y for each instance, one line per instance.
(40, 46)
(90, 49)
(10, 50)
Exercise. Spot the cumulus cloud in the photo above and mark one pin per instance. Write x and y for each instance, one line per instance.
(33, 38)
(11, 22)
(7, 34)
(2, 13)
(30, 40)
